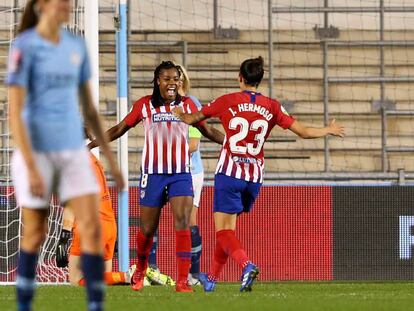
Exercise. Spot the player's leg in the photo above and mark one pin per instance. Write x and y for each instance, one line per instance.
(86, 213)
(152, 259)
(34, 223)
(75, 270)
(180, 194)
(196, 246)
(149, 219)
(78, 188)
(152, 198)
(109, 235)
(34, 232)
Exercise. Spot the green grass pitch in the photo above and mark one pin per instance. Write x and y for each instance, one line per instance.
(265, 296)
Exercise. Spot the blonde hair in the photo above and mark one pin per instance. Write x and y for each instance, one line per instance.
(186, 80)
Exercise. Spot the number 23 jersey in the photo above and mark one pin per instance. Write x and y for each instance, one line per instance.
(247, 118)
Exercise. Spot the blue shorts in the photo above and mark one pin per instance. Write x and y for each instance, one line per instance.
(157, 189)
(234, 196)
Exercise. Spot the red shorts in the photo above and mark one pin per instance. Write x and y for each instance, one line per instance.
(109, 233)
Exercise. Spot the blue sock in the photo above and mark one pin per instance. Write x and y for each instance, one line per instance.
(93, 268)
(195, 250)
(25, 282)
(152, 259)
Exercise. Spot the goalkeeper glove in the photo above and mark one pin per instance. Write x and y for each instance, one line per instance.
(62, 249)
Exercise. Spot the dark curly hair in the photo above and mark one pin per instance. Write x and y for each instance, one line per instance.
(156, 97)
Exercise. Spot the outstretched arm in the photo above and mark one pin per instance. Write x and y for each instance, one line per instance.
(113, 133)
(306, 132)
(211, 133)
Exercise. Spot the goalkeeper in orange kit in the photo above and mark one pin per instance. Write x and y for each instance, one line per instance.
(109, 235)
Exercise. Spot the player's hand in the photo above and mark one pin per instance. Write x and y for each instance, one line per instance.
(179, 113)
(336, 129)
(62, 249)
(116, 174)
(37, 187)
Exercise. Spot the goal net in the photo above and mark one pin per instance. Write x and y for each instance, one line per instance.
(10, 222)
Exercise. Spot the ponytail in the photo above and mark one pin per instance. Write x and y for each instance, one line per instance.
(252, 71)
(30, 16)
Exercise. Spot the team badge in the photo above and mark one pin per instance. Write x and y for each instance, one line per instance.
(75, 58)
(15, 60)
(142, 194)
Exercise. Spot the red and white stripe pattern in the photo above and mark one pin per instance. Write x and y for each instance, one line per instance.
(166, 148)
(252, 172)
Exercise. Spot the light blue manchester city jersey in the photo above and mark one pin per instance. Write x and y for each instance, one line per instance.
(51, 74)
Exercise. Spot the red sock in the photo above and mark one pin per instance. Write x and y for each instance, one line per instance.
(183, 253)
(219, 260)
(232, 246)
(112, 278)
(143, 250)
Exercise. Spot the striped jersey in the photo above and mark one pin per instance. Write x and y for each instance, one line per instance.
(166, 147)
(247, 118)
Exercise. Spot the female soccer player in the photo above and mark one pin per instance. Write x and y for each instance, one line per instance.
(247, 117)
(197, 174)
(48, 69)
(165, 167)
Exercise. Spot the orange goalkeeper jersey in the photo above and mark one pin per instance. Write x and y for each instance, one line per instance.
(106, 211)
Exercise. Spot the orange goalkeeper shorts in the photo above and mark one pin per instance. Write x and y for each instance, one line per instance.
(109, 233)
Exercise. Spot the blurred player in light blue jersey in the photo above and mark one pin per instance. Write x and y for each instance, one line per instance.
(197, 173)
(48, 69)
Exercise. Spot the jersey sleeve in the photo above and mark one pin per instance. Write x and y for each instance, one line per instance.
(214, 108)
(194, 132)
(283, 119)
(85, 69)
(20, 62)
(135, 114)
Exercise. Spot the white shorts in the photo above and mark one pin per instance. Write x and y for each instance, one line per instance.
(198, 180)
(69, 174)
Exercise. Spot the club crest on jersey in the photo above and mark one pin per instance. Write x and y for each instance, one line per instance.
(165, 117)
(142, 194)
(75, 58)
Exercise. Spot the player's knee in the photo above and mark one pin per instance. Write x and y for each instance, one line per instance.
(148, 230)
(181, 222)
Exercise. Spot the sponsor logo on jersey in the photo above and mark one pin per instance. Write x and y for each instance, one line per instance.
(244, 160)
(165, 117)
(284, 110)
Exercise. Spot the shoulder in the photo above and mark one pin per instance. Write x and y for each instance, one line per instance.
(26, 39)
(140, 102)
(195, 100)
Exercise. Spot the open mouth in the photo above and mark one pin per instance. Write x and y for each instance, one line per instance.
(171, 91)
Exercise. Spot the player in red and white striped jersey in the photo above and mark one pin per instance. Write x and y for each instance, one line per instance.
(247, 117)
(165, 167)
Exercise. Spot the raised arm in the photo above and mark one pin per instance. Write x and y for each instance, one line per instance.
(112, 134)
(307, 132)
(91, 116)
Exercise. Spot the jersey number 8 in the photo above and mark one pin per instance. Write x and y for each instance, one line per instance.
(259, 126)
